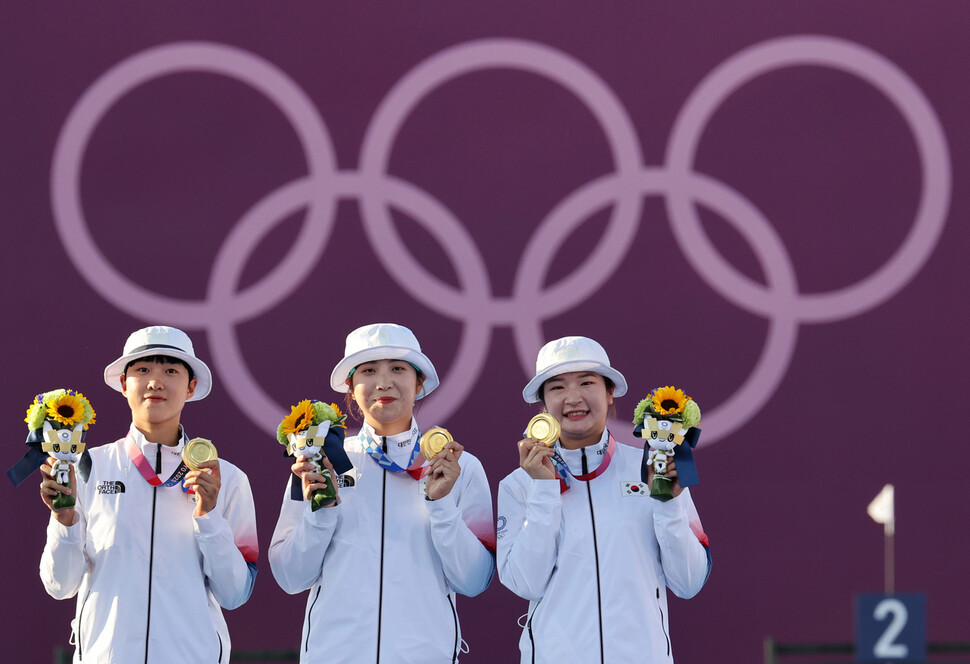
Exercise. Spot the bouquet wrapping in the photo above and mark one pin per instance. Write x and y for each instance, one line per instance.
(57, 420)
(315, 431)
(666, 419)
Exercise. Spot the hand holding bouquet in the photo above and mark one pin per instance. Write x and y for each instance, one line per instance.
(304, 432)
(57, 420)
(664, 419)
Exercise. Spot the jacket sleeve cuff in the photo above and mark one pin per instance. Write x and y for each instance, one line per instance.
(544, 491)
(69, 534)
(443, 509)
(325, 517)
(210, 524)
(673, 509)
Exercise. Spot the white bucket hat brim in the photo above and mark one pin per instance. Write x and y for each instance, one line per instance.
(570, 354)
(160, 340)
(383, 341)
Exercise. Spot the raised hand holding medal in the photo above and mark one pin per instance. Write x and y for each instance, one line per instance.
(537, 448)
(667, 418)
(304, 433)
(433, 441)
(543, 428)
(198, 451)
(443, 469)
(204, 478)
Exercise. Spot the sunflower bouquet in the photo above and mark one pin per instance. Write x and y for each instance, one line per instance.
(665, 419)
(57, 420)
(311, 427)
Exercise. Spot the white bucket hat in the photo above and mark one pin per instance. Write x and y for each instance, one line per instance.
(572, 354)
(383, 341)
(160, 340)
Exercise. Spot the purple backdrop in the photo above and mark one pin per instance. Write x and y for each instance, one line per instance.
(753, 202)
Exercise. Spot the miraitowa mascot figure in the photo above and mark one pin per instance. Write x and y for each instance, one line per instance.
(667, 419)
(315, 431)
(57, 421)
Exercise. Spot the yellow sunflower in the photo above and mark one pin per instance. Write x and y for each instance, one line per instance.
(67, 409)
(669, 400)
(340, 416)
(299, 419)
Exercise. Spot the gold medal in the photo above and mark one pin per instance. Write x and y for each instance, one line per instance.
(544, 428)
(433, 441)
(198, 450)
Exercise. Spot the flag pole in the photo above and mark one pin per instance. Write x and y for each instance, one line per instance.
(890, 559)
(882, 509)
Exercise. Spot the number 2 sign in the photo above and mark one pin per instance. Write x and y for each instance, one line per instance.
(890, 628)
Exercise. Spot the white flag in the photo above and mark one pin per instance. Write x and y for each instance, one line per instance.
(882, 510)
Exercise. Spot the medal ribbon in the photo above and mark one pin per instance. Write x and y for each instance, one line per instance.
(146, 470)
(416, 466)
(609, 447)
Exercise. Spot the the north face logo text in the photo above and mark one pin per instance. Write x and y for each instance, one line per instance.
(109, 487)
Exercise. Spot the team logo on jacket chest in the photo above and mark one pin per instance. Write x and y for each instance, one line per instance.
(110, 487)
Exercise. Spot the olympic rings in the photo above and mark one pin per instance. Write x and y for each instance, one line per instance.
(473, 302)
(97, 100)
(930, 143)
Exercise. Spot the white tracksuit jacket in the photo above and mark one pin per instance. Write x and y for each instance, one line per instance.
(597, 559)
(384, 564)
(150, 578)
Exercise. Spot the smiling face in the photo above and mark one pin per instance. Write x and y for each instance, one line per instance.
(580, 401)
(156, 393)
(385, 391)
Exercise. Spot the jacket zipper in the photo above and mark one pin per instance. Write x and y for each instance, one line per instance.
(596, 555)
(532, 640)
(151, 554)
(454, 658)
(306, 647)
(664, 629)
(380, 586)
(80, 617)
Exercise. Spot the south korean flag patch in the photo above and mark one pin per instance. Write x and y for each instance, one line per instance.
(634, 488)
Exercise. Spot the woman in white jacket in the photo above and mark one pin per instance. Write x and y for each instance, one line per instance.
(578, 535)
(384, 563)
(151, 564)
